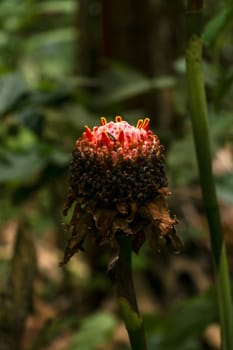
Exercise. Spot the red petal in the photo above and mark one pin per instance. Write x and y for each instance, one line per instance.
(105, 139)
(121, 136)
(89, 133)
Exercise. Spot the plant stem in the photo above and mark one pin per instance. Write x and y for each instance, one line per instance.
(127, 297)
(199, 116)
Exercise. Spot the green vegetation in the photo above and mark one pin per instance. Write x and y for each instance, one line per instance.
(62, 67)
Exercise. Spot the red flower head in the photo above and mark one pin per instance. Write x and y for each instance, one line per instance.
(119, 184)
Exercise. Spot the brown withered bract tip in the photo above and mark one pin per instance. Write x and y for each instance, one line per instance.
(118, 185)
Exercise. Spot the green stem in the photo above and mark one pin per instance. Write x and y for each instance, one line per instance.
(126, 296)
(199, 116)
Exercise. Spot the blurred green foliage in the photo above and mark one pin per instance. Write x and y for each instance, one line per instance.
(43, 107)
(183, 326)
(99, 326)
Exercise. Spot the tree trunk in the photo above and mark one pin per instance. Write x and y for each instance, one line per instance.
(145, 35)
(142, 34)
(88, 43)
(16, 299)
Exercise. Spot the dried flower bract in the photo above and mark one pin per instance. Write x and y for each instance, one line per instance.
(118, 186)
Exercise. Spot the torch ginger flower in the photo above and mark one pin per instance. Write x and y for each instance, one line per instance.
(119, 186)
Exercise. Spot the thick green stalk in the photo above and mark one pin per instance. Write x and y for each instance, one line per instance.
(126, 296)
(199, 116)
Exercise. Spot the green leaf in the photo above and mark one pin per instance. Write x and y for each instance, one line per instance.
(59, 157)
(224, 87)
(181, 162)
(51, 37)
(190, 319)
(120, 83)
(12, 88)
(224, 185)
(20, 166)
(184, 325)
(33, 119)
(215, 27)
(94, 331)
(68, 6)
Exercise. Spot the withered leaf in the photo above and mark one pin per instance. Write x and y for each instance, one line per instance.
(69, 201)
(174, 240)
(163, 225)
(103, 220)
(121, 225)
(123, 207)
(138, 241)
(155, 239)
(132, 212)
(79, 231)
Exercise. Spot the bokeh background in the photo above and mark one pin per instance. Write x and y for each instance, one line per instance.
(63, 64)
